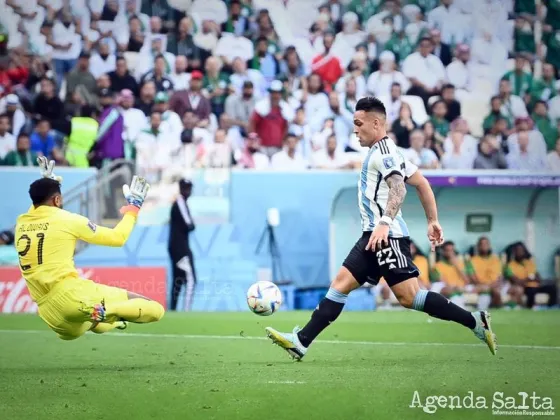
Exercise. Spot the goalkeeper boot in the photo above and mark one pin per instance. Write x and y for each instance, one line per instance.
(288, 341)
(121, 325)
(483, 330)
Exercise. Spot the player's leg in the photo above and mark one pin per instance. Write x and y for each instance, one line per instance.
(530, 292)
(484, 296)
(104, 327)
(112, 304)
(401, 275)
(330, 307)
(191, 282)
(328, 310)
(496, 294)
(135, 308)
(179, 278)
(355, 266)
(61, 312)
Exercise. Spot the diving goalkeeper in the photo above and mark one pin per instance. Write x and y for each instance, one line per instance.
(45, 239)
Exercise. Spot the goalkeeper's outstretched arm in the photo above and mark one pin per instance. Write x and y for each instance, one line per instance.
(87, 231)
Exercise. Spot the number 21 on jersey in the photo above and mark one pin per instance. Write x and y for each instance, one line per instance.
(30, 250)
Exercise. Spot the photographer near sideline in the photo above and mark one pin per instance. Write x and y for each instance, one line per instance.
(181, 225)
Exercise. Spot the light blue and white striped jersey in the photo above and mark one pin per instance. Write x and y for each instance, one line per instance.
(382, 160)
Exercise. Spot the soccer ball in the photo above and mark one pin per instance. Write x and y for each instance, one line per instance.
(264, 298)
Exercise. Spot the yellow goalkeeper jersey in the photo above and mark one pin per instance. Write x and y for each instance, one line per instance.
(45, 238)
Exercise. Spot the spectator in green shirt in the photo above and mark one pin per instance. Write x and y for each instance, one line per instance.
(524, 6)
(22, 156)
(439, 111)
(364, 8)
(523, 36)
(552, 40)
(545, 125)
(400, 45)
(521, 81)
(215, 83)
(553, 13)
(544, 89)
(426, 5)
(495, 113)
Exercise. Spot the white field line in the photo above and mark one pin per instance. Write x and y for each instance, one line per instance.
(345, 342)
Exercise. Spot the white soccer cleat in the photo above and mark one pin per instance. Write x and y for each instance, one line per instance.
(288, 341)
(483, 330)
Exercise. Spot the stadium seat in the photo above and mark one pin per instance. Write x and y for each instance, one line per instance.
(131, 59)
(419, 113)
(541, 299)
(471, 299)
(433, 100)
(474, 111)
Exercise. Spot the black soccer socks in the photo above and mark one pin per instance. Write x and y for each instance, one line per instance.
(440, 307)
(327, 311)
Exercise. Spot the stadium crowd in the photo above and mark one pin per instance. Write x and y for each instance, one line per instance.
(273, 84)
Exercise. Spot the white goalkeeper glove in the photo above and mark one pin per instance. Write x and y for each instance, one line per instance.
(47, 168)
(135, 194)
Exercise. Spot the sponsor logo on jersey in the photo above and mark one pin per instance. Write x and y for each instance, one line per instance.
(92, 226)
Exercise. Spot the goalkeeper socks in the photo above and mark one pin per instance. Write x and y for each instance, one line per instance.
(327, 311)
(438, 306)
(104, 327)
(136, 310)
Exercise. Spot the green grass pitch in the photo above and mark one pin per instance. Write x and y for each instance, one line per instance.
(220, 366)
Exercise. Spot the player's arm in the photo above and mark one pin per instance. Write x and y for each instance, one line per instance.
(428, 200)
(397, 193)
(98, 235)
(84, 229)
(425, 194)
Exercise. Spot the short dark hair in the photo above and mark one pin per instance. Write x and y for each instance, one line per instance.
(447, 86)
(22, 134)
(371, 104)
(87, 111)
(289, 135)
(540, 101)
(157, 57)
(436, 103)
(426, 39)
(43, 189)
(4, 116)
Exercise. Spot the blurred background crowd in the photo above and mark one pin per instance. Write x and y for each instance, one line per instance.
(272, 84)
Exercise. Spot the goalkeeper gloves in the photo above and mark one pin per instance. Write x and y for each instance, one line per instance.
(47, 168)
(135, 194)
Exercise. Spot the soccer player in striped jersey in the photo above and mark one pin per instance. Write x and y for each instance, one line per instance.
(383, 250)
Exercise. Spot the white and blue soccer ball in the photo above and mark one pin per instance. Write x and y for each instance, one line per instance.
(264, 298)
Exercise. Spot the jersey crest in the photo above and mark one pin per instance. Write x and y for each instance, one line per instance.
(389, 162)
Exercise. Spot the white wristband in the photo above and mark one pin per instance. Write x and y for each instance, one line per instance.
(387, 219)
